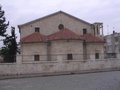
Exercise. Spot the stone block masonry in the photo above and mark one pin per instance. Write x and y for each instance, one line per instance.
(59, 66)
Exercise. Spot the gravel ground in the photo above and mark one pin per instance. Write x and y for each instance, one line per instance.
(93, 81)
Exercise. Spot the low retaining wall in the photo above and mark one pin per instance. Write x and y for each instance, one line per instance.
(75, 66)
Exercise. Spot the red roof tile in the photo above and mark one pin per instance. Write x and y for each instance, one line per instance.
(92, 39)
(35, 37)
(63, 35)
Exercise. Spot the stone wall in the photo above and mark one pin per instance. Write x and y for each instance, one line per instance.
(93, 48)
(58, 66)
(29, 50)
(49, 25)
(61, 48)
(66, 46)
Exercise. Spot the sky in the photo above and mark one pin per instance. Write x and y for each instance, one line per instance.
(21, 11)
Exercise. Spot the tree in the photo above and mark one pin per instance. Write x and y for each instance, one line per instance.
(10, 48)
(3, 24)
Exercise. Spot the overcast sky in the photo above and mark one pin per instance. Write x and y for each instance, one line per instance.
(106, 11)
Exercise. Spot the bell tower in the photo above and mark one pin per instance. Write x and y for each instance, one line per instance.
(98, 29)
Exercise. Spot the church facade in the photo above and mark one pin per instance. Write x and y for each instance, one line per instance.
(61, 36)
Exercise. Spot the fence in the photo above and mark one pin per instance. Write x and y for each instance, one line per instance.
(60, 63)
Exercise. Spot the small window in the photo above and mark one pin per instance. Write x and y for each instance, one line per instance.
(111, 55)
(69, 57)
(36, 58)
(96, 55)
(84, 31)
(37, 29)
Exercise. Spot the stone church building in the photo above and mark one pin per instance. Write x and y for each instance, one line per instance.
(61, 36)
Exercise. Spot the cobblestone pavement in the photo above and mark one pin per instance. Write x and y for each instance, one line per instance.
(93, 81)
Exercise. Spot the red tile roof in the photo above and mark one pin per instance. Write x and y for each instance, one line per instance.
(64, 34)
(35, 37)
(92, 39)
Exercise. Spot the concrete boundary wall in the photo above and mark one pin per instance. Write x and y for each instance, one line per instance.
(20, 68)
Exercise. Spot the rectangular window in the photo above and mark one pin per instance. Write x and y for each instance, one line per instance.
(37, 29)
(84, 31)
(36, 57)
(96, 55)
(69, 57)
(111, 55)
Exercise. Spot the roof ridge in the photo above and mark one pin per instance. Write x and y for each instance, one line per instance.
(62, 31)
(63, 34)
(55, 14)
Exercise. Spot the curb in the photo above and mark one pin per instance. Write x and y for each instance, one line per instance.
(18, 76)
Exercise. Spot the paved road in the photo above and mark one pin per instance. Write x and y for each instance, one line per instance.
(94, 81)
